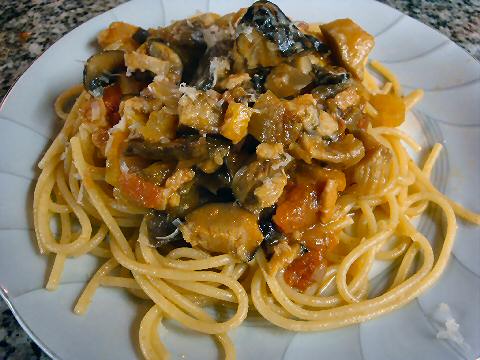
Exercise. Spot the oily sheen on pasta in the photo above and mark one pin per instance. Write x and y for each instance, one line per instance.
(245, 162)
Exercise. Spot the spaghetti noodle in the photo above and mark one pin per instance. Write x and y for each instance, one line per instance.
(370, 219)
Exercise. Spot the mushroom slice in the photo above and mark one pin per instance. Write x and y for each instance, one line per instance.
(343, 153)
(160, 50)
(107, 68)
(102, 70)
(183, 148)
(223, 228)
(275, 26)
(191, 148)
(161, 229)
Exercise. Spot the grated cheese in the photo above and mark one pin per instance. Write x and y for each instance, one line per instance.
(124, 167)
(271, 189)
(448, 328)
(80, 194)
(218, 65)
(189, 91)
(214, 34)
(96, 111)
(246, 30)
(286, 158)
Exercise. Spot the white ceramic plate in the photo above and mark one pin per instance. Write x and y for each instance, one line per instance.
(420, 56)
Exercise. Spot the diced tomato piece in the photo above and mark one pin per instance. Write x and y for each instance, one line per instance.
(298, 209)
(299, 274)
(318, 240)
(114, 118)
(112, 96)
(139, 191)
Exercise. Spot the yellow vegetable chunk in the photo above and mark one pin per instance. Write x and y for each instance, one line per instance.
(118, 36)
(235, 126)
(161, 125)
(390, 108)
(285, 81)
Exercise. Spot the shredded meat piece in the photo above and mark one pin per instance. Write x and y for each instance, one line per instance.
(284, 121)
(347, 98)
(269, 151)
(260, 183)
(272, 123)
(270, 191)
(323, 125)
(202, 113)
(135, 110)
(234, 80)
(283, 254)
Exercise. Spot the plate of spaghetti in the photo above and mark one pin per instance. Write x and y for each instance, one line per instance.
(245, 180)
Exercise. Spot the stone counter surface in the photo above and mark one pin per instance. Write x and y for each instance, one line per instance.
(27, 28)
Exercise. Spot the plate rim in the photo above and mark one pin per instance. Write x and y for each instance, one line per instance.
(24, 325)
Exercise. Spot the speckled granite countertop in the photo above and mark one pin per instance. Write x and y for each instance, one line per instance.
(27, 28)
